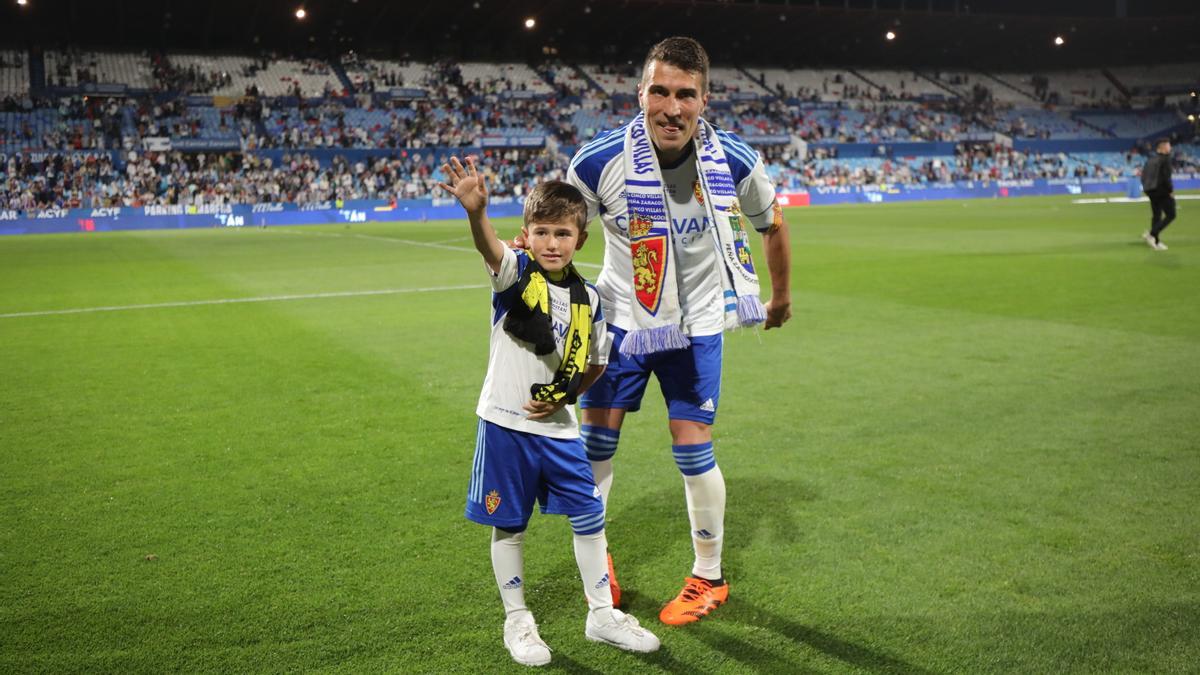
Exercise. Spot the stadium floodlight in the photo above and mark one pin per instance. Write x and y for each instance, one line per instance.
(530, 23)
(889, 36)
(300, 13)
(1059, 41)
(22, 2)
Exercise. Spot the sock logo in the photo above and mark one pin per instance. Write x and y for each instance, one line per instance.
(704, 534)
(603, 581)
(708, 406)
(515, 582)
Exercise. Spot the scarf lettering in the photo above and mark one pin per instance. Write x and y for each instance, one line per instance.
(643, 154)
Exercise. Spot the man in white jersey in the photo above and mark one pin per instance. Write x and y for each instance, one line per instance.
(547, 344)
(672, 94)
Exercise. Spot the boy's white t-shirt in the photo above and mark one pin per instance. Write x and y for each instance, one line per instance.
(513, 368)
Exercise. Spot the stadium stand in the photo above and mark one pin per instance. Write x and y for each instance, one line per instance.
(1080, 88)
(216, 75)
(809, 85)
(1135, 124)
(14, 74)
(894, 84)
(1140, 78)
(612, 79)
(72, 68)
(1014, 88)
(1040, 123)
(288, 129)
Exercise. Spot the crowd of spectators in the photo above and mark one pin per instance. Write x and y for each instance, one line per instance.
(79, 180)
(458, 113)
(978, 162)
(74, 180)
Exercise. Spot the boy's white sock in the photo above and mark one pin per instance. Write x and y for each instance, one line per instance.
(508, 564)
(706, 511)
(601, 444)
(593, 569)
(602, 471)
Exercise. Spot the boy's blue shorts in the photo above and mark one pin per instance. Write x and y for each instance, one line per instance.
(690, 379)
(514, 468)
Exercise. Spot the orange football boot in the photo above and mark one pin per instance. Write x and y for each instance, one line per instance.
(694, 602)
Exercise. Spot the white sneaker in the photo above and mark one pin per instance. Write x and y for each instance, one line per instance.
(523, 642)
(620, 630)
(1150, 240)
(1159, 246)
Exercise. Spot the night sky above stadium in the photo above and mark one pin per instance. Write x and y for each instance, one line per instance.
(978, 33)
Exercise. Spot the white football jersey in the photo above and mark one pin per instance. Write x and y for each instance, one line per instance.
(598, 171)
(513, 367)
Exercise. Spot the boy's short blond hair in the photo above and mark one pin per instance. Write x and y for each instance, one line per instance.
(555, 201)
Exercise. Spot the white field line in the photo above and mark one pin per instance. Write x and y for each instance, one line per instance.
(282, 298)
(1123, 200)
(233, 301)
(407, 242)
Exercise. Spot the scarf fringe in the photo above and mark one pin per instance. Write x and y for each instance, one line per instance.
(750, 310)
(651, 340)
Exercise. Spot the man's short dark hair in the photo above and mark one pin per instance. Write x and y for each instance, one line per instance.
(683, 53)
(556, 202)
(1160, 141)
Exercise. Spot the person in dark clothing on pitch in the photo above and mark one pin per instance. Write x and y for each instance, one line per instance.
(1156, 183)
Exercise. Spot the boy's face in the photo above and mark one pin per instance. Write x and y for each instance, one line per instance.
(553, 244)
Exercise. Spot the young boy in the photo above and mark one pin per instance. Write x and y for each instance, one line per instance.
(548, 344)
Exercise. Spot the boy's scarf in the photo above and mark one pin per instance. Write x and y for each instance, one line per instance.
(529, 320)
(656, 314)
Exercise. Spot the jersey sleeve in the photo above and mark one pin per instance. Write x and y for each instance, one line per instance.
(589, 164)
(511, 265)
(755, 191)
(757, 196)
(589, 193)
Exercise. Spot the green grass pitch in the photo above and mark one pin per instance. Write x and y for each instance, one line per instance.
(975, 448)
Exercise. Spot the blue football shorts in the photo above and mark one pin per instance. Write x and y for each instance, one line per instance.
(690, 379)
(512, 469)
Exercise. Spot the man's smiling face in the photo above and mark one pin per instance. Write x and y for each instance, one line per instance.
(673, 100)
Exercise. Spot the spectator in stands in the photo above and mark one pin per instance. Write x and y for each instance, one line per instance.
(1156, 183)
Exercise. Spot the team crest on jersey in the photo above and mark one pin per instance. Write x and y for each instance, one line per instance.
(492, 502)
(741, 240)
(696, 190)
(649, 263)
(639, 226)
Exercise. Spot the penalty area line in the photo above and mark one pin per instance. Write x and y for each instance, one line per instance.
(234, 301)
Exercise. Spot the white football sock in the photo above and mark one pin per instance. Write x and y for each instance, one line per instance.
(706, 511)
(602, 471)
(590, 555)
(508, 564)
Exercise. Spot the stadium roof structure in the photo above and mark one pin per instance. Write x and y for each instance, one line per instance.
(797, 33)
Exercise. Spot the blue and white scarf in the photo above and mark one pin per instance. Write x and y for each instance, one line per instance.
(657, 319)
